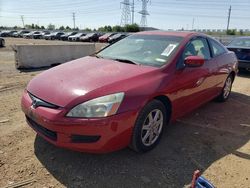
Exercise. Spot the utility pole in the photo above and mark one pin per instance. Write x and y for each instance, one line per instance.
(193, 25)
(133, 10)
(74, 19)
(144, 13)
(229, 17)
(126, 13)
(22, 20)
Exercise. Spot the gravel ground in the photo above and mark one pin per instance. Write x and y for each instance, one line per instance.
(214, 139)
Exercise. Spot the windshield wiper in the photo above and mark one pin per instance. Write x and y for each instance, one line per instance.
(126, 61)
(95, 55)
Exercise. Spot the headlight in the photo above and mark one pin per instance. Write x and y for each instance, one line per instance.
(98, 107)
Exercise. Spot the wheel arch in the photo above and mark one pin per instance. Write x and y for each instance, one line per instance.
(167, 103)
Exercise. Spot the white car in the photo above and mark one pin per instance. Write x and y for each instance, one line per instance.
(76, 37)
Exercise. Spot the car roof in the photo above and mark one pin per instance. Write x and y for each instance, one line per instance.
(169, 33)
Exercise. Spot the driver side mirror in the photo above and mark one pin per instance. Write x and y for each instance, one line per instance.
(194, 61)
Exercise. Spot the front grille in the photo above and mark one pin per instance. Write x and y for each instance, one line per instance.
(36, 102)
(46, 132)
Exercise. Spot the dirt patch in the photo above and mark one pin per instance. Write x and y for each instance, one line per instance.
(214, 138)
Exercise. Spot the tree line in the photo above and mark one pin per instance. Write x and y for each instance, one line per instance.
(106, 28)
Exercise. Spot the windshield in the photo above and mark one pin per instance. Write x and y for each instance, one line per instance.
(79, 34)
(90, 34)
(242, 42)
(107, 34)
(116, 36)
(151, 50)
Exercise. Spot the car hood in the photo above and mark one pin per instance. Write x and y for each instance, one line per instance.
(86, 37)
(112, 38)
(84, 78)
(104, 37)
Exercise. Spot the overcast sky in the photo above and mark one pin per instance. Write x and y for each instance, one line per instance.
(164, 14)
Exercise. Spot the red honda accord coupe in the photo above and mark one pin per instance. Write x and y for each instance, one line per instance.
(126, 94)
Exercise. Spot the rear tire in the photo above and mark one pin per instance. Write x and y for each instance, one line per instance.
(149, 126)
(2, 43)
(226, 91)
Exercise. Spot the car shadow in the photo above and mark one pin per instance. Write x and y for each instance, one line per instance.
(26, 70)
(193, 142)
(38, 69)
(244, 74)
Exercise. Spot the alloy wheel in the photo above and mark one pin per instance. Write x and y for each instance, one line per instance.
(152, 127)
(227, 87)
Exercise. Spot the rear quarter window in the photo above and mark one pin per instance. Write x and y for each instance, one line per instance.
(217, 48)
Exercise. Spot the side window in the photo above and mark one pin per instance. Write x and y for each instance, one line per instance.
(217, 48)
(197, 47)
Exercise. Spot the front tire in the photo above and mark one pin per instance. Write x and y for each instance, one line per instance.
(226, 91)
(149, 126)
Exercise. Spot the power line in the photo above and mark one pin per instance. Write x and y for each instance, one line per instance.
(160, 9)
(197, 15)
(206, 3)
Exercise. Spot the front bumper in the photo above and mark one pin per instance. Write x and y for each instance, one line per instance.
(103, 40)
(84, 40)
(99, 135)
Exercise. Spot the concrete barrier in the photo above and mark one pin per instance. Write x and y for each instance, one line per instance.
(37, 56)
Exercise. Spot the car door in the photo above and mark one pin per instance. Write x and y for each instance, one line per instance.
(194, 85)
(223, 61)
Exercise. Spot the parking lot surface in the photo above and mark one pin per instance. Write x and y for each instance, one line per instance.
(215, 139)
